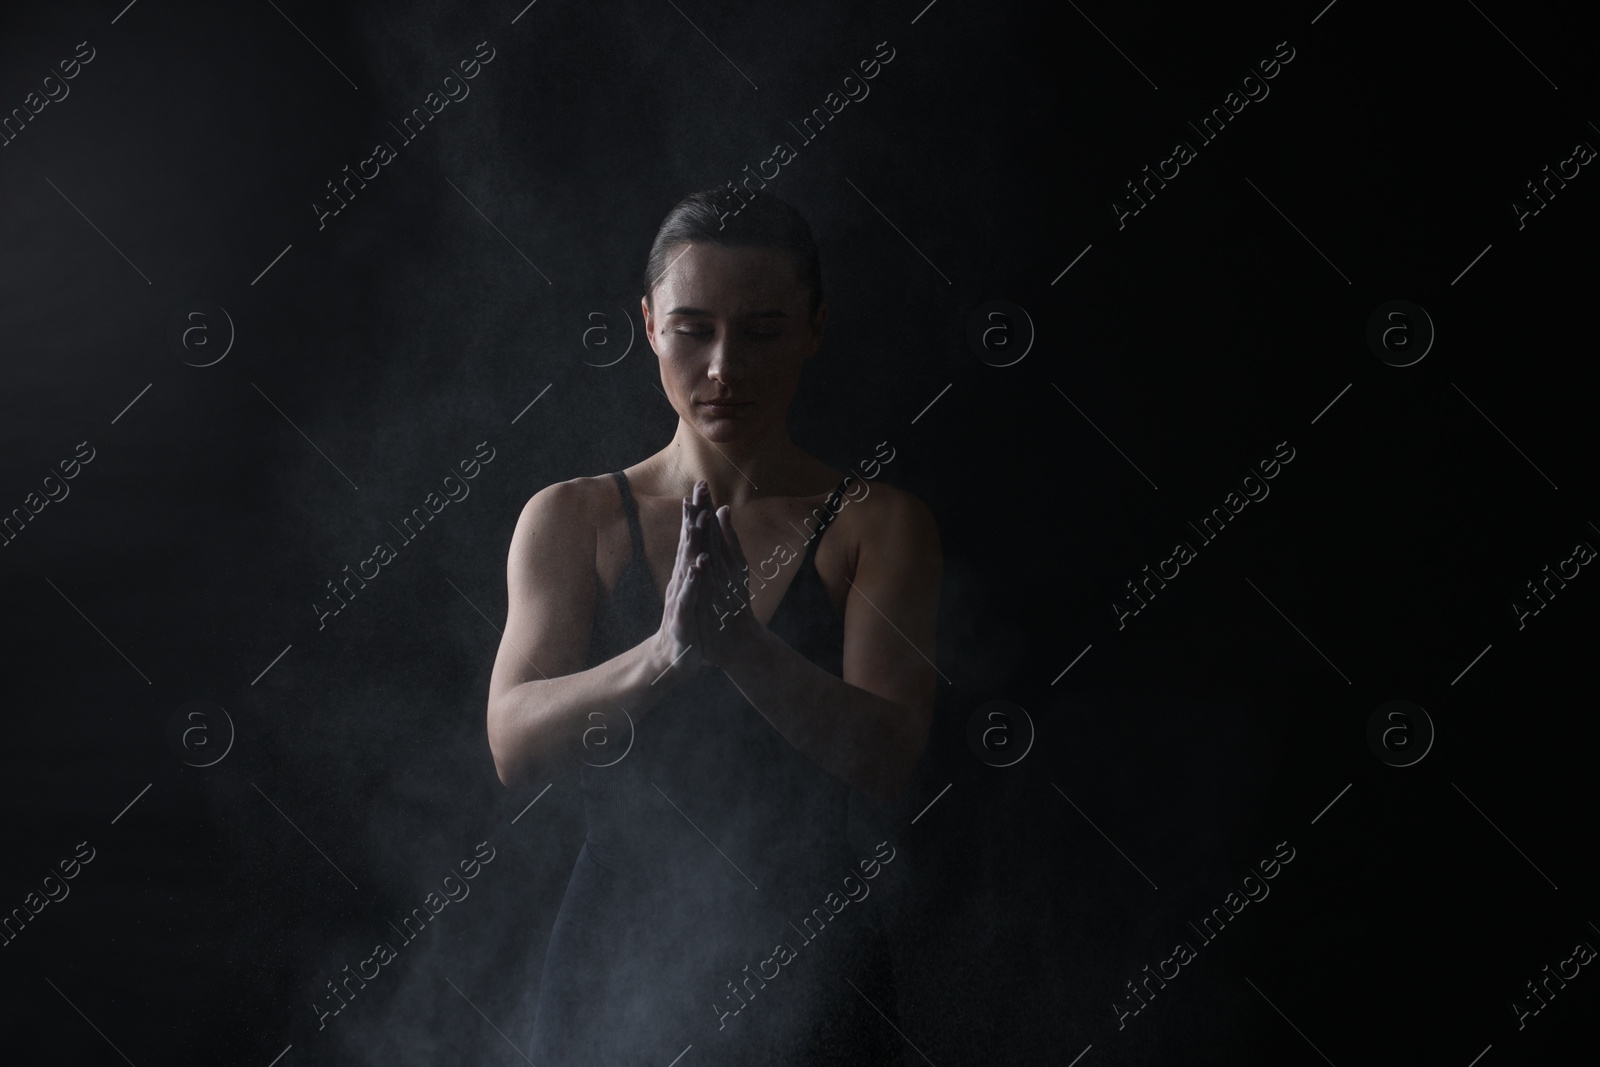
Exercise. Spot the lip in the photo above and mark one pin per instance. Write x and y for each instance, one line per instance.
(723, 407)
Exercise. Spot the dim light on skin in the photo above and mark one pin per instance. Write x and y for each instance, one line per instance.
(784, 553)
(732, 329)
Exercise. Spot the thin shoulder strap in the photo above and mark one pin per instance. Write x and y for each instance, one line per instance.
(832, 511)
(633, 513)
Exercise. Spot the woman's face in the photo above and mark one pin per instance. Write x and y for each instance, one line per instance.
(732, 325)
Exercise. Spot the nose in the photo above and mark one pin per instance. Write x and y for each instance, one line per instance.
(723, 366)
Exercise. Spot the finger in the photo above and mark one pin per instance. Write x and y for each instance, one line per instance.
(702, 567)
(731, 537)
(694, 535)
(687, 567)
(697, 539)
(704, 553)
(691, 510)
(719, 594)
(727, 576)
(719, 550)
(715, 544)
(673, 580)
(692, 583)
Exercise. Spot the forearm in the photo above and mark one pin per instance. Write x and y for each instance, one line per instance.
(864, 740)
(542, 721)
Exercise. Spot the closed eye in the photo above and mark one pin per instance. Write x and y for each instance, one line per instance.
(761, 335)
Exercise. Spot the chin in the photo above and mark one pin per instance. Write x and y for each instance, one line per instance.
(727, 431)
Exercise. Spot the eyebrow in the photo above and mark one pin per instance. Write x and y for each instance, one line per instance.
(768, 313)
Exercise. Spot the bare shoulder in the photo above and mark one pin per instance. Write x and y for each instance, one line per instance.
(562, 515)
(550, 585)
(884, 518)
(573, 498)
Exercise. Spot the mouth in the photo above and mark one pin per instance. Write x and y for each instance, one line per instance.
(724, 407)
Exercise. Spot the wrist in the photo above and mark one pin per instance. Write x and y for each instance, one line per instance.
(665, 668)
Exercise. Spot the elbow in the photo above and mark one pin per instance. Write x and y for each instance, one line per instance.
(508, 767)
(513, 773)
(504, 768)
(508, 774)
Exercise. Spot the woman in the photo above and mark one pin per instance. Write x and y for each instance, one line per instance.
(724, 712)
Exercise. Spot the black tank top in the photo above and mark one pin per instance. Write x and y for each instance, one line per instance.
(703, 754)
(712, 842)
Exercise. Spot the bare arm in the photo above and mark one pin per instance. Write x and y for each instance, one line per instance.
(869, 728)
(540, 701)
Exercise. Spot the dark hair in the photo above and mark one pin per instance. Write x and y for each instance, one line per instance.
(714, 216)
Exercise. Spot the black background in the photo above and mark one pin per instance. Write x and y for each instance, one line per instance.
(1199, 336)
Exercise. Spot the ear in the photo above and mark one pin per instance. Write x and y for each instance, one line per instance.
(649, 323)
(818, 322)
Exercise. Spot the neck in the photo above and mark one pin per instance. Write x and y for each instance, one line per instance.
(735, 471)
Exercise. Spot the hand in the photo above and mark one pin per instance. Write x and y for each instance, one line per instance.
(727, 622)
(677, 640)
